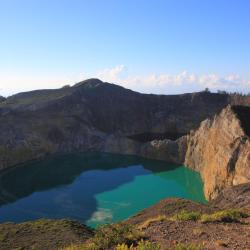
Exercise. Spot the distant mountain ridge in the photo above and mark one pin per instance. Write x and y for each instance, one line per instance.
(112, 109)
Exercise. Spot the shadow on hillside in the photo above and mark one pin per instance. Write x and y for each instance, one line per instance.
(243, 113)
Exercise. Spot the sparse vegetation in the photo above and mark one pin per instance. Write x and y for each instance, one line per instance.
(124, 247)
(2, 237)
(109, 236)
(185, 215)
(187, 247)
(116, 236)
(232, 215)
(147, 245)
(224, 216)
(207, 90)
(235, 93)
(142, 245)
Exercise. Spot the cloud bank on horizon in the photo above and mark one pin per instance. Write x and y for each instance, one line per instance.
(164, 83)
(174, 83)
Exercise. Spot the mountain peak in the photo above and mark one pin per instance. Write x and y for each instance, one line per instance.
(92, 82)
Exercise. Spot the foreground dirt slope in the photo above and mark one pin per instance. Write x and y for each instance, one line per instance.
(213, 235)
(206, 236)
(42, 234)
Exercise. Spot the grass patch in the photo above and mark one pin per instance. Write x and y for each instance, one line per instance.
(177, 203)
(231, 215)
(224, 216)
(2, 237)
(147, 222)
(185, 216)
(109, 236)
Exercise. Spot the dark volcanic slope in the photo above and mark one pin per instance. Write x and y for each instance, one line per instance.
(80, 118)
(113, 109)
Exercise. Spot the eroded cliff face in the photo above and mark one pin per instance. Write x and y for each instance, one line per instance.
(220, 151)
(166, 150)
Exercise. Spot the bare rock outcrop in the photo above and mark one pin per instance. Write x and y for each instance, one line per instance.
(220, 151)
(233, 197)
(166, 150)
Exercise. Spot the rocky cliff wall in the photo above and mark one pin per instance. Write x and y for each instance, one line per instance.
(220, 151)
(166, 150)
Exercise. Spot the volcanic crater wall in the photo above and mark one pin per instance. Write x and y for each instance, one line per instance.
(98, 116)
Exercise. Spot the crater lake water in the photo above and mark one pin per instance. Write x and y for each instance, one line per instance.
(94, 188)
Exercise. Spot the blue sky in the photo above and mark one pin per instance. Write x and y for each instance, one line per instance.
(158, 46)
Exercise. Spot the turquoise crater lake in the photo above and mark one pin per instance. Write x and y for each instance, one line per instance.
(94, 188)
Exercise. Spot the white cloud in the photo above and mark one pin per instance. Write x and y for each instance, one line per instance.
(174, 83)
(111, 75)
(185, 81)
